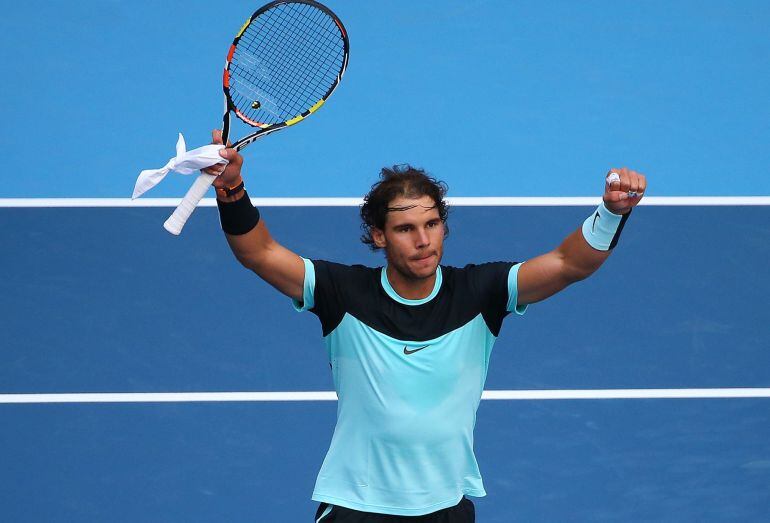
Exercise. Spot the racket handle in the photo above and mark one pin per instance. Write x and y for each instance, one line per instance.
(176, 221)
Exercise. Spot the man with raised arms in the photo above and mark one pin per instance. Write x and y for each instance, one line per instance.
(409, 343)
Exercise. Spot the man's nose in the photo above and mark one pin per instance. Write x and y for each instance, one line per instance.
(423, 240)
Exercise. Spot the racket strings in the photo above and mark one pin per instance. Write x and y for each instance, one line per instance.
(293, 22)
(291, 83)
(286, 61)
(311, 83)
(305, 63)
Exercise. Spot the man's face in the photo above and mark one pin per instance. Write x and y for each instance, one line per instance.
(413, 238)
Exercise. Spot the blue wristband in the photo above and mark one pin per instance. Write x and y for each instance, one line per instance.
(602, 229)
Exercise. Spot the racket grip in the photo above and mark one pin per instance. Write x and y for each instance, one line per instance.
(176, 221)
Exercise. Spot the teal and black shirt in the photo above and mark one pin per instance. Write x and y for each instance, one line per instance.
(409, 376)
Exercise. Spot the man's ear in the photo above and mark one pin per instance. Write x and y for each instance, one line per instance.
(379, 237)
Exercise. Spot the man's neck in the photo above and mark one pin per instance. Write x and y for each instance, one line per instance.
(410, 288)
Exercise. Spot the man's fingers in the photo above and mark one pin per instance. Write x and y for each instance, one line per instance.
(232, 156)
(216, 138)
(625, 180)
(622, 180)
(214, 170)
(616, 196)
(613, 179)
(624, 191)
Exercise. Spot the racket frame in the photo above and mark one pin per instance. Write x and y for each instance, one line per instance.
(200, 187)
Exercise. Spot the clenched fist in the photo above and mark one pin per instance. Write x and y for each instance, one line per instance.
(623, 190)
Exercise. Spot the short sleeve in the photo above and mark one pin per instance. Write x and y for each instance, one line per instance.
(513, 291)
(308, 288)
(328, 289)
(491, 286)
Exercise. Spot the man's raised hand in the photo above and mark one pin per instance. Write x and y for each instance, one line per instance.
(623, 190)
(227, 175)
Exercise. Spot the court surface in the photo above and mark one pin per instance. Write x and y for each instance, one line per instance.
(102, 300)
(148, 378)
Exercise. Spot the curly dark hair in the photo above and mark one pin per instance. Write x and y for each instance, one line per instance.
(399, 180)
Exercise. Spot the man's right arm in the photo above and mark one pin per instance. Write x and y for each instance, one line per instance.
(271, 261)
(256, 249)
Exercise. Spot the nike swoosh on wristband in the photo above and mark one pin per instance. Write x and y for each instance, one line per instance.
(596, 217)
(408, 352)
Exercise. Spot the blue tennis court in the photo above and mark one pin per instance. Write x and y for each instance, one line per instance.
(118, 315)
(146, 377)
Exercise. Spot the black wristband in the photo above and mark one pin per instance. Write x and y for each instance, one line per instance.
(238, 217)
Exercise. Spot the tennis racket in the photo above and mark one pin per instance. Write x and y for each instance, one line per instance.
(283, 64)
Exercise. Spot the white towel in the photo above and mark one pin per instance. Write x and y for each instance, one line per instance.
(185, 162)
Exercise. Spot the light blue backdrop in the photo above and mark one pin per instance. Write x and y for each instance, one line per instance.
(498, 98)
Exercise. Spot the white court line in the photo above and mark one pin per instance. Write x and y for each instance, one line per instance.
(459, 201)
(188, 397)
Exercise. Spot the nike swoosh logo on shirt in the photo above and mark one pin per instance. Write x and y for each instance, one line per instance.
(408, 352)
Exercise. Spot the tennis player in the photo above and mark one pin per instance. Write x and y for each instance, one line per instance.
(409, 343)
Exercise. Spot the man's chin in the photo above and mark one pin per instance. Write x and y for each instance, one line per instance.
(414, 269)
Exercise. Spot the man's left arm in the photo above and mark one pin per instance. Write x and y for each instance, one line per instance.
(583, 251)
